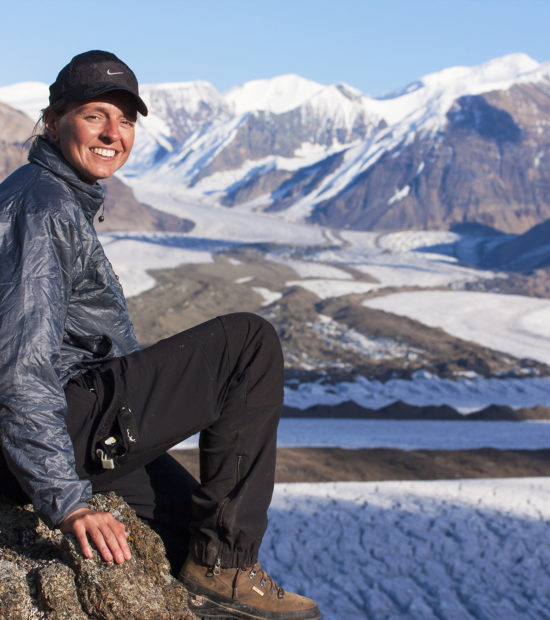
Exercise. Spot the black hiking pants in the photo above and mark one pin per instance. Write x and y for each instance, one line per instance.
(223, 378)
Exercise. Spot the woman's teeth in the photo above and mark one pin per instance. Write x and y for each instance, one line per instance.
(104, 152)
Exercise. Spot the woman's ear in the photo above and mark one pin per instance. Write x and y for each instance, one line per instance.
(50, 125)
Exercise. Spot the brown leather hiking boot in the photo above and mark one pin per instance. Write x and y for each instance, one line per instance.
(216, 592)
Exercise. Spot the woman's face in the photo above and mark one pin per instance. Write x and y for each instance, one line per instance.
(95, 136)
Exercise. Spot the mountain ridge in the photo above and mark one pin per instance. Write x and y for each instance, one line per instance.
(328, 154)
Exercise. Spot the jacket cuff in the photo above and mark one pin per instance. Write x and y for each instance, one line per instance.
(76, 506)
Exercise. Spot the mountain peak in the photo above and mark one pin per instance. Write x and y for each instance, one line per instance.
(277, 95)
(496, 73)
(518, 62)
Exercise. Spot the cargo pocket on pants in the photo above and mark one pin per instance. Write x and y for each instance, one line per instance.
(115, 435)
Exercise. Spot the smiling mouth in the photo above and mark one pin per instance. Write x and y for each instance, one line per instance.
(103, 152)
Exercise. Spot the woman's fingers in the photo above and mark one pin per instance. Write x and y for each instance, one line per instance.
(80, 534)
(107, 534)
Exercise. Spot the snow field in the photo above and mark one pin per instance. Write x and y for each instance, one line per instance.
(393, 259)
(267, 295)
(515, 324)
(325, 289)
(133, 258)
(447, 550)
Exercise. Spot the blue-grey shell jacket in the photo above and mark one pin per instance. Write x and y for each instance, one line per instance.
(62, 311)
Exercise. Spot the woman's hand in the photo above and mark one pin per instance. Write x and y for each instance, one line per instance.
(108, 534)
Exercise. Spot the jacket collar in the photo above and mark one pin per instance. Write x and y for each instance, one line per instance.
(90, 195)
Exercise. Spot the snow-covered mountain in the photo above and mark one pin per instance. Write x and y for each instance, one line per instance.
(329, 154)
(462, 144)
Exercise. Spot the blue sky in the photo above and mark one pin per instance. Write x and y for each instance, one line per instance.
(374, 45)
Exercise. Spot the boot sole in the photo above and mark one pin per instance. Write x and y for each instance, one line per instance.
(205, 607)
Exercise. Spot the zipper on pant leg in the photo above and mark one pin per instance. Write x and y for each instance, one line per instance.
(238, 464)
(216, 570)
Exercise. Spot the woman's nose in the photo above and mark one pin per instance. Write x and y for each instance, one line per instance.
(111, 130)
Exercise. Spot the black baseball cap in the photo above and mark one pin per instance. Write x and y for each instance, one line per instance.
(94, 73)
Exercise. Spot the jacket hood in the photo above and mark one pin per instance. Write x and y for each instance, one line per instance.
(47, 155)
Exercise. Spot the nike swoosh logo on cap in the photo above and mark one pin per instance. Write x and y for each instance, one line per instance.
(109, 72)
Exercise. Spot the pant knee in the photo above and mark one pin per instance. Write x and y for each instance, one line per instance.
(253, 327)
(256, 346)
(269, 336)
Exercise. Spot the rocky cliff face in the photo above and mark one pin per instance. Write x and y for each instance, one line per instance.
(487, 165)
(44, 575)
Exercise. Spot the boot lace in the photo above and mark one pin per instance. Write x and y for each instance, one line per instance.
(265, 580)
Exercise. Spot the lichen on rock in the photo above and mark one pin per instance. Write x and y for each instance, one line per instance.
(44, 575)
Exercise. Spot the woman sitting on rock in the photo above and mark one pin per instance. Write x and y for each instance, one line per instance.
(83, 409)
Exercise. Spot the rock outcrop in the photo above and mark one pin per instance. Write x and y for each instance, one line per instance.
(43, 574)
